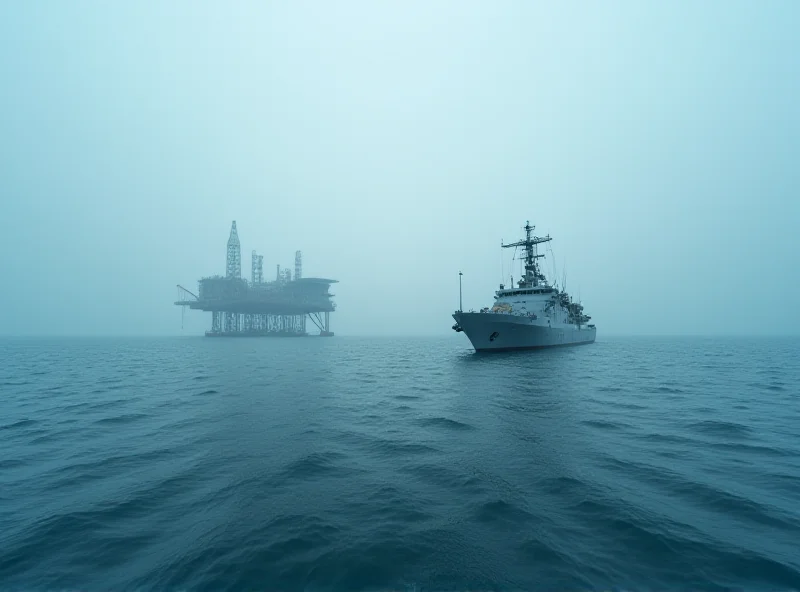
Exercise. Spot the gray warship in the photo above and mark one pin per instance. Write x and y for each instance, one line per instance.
(532, 315)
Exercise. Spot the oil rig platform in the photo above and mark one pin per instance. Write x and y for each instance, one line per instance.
(257, 308)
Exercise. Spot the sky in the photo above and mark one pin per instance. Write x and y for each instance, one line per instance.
(396, 144)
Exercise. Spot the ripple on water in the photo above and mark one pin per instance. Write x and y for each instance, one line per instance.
(667, 439)
(11, 463)
(314, 466)
(22, 423)
(399, 448)
(753, 450)
(444, 422)
(122, 419)
(663, 389)
(611, 389)
(774, 385)
(501, 511)
(720, 428)
(604, 425)
(448, 478)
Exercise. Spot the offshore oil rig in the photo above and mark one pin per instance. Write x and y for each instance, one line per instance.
(259, 308)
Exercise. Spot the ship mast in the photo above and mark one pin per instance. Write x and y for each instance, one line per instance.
(532, 274)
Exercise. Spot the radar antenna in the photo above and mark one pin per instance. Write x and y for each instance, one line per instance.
(533, 275)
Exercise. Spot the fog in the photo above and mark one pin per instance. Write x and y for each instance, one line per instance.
(397, 144)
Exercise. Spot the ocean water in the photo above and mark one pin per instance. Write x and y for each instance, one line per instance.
(399, 464)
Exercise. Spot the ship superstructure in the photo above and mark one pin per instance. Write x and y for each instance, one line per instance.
(533, 314)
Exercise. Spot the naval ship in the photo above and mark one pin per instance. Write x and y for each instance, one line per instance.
(533, 315)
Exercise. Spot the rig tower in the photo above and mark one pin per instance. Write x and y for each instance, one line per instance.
(233, 265)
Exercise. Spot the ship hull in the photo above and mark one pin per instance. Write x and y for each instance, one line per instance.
(506, 332)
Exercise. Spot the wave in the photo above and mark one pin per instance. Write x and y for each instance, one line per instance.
(444, 422)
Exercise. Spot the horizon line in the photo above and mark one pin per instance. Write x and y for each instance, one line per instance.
(373, 335)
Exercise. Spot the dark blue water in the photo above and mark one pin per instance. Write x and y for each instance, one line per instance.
(411, 464)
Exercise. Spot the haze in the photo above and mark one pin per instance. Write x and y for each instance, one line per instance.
(396, 144)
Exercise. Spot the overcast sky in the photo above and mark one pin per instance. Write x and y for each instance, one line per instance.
(396, 144)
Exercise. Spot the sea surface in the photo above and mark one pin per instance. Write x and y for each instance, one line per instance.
(399, 464)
